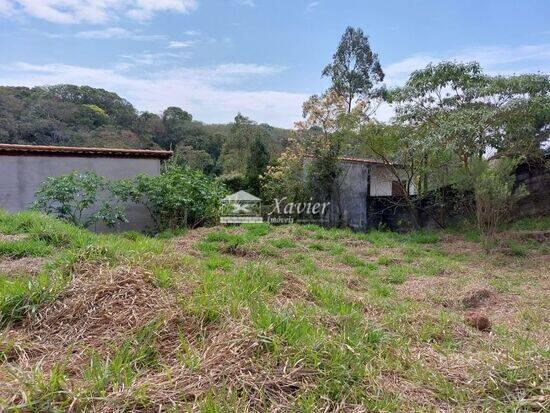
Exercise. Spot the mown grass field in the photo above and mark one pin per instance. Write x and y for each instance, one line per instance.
(263, 318)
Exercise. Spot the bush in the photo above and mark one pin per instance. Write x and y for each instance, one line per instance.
(81, 198)
(495, 194)
(234, 181)
(179, 197)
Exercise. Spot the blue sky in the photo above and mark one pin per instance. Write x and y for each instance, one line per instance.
(262, 58)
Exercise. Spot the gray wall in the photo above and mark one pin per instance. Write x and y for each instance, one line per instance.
(353, 184)
(20, 177)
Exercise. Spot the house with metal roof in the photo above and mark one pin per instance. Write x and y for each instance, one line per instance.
(24, 167)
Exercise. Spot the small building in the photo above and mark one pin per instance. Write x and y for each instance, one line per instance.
(24, 167)
(362, 180)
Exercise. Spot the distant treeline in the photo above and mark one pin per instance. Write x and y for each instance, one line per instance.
(84, 116)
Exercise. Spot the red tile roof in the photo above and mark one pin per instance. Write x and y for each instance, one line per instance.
(31, 150)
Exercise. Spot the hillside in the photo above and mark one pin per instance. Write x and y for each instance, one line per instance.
(84, 116)
(256, 318)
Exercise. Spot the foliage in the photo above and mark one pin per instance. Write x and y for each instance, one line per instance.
(355, 70)
(456, 116)
(256, 165)
(233, 182)
(82, 198)
(237, 149)
(178, 197)
(495, 195)
(459, 108)
(286, 177)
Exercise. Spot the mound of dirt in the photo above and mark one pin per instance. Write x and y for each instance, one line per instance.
(477, 296)
(477, 320)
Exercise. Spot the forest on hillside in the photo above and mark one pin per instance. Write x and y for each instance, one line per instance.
(72, 115)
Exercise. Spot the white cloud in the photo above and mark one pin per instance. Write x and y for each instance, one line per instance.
(150, 58)
(311, 5)
(248, 69)
(117, 33)
(94, 11)
(174, 44)
(6, 7)
(249, 3)
(211, 94)
(192, 33)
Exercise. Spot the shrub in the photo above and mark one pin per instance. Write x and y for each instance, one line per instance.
(82, 198)
(234, 181)
(178, 197)
(495, 194)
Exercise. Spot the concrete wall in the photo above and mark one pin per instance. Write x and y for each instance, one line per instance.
(353, 184)
(351, 207)
(21, 176)
(381, 181)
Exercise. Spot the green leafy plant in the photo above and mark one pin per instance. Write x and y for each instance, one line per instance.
(81, 198)
(178, 197)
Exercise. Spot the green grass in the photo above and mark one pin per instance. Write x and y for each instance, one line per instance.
(301, 324)
(122, 368)
(351, 260)
(232, 293)
(65, 246)
(283, 243)
(531, 224)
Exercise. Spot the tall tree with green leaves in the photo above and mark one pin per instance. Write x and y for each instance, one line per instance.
(355, 70)
(456, 111)
(256, 165)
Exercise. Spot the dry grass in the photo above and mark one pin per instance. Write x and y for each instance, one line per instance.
(286, 319)
(24, 265)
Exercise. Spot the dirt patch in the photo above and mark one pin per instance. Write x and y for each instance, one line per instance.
(25, 265)
(187, 242)
(425, 288)
(477, 296)
(12, 237)
(539, 236)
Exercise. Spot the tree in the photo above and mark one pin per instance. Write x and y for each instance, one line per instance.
(459, 108)
(257, 163)
(355, 69)
(285, 177)
(457, 113)
(326, 127)
(196, 159)
(235, 152)
(174, 120)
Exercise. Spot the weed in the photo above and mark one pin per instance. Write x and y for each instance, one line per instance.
(283, 243)
(351, 260)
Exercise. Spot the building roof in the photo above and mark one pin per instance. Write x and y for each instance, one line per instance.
(37, 150)
(356, 160)
(241, 196)
(361, 160)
